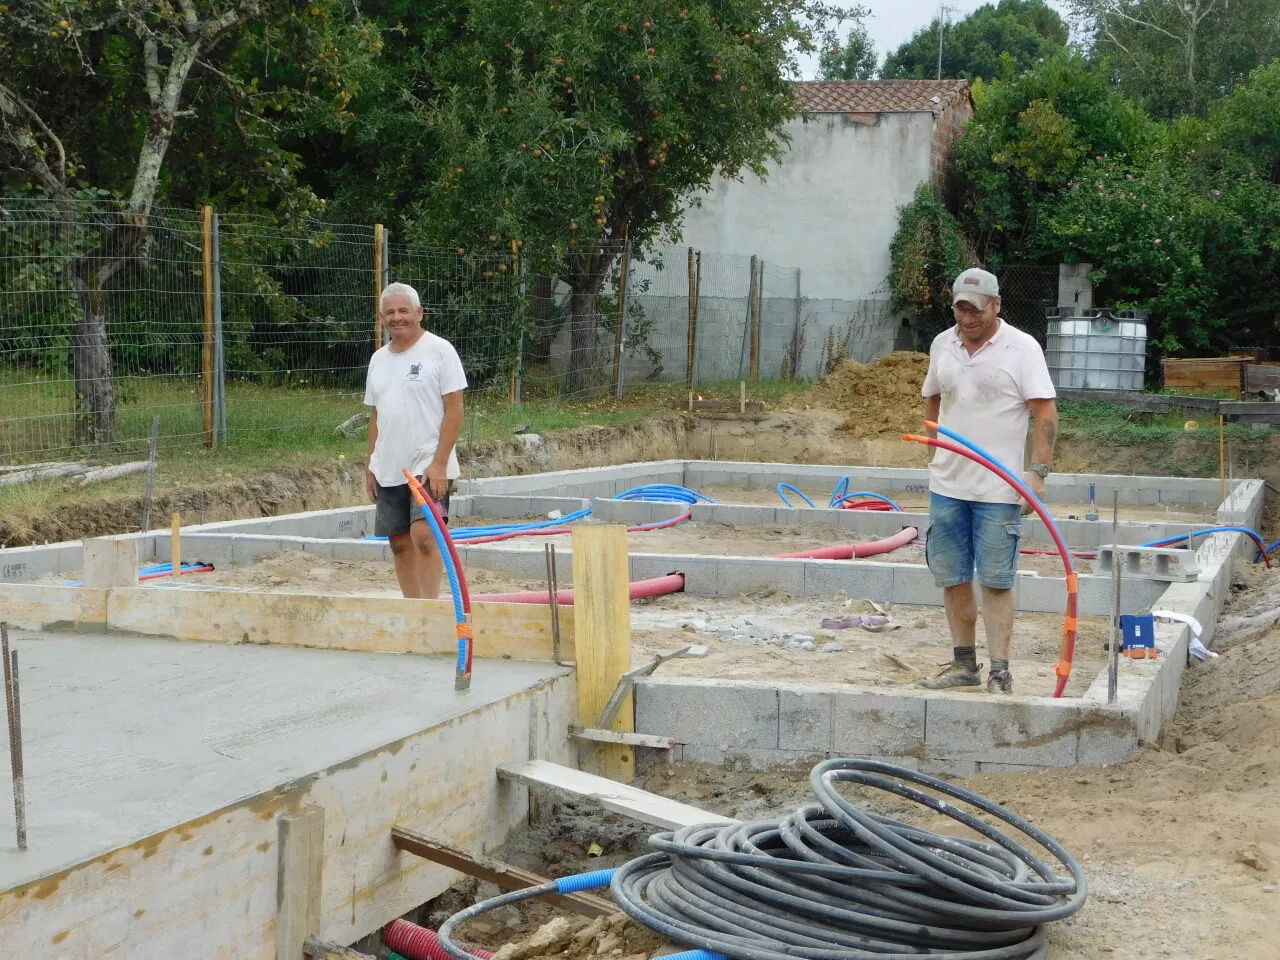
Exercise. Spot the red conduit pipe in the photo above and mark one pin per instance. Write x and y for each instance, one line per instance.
(641, 589)
(849, 551)
(419, 943)
(674, 582)
(643, 528)
(1070, 623)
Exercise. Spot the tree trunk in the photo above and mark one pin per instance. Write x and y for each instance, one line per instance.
(96, 422)
(585, 369)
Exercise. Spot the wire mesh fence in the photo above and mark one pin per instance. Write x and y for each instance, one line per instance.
(239, 329)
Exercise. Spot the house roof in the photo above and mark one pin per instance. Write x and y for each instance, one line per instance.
(877, 96)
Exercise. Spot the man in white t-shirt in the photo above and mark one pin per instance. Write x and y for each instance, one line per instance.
(985, 380)
(415, 386)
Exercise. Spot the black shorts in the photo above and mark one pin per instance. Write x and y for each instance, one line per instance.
(396, 509)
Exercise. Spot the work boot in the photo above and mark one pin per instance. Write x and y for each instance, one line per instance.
(954, 674)
(1000, 681)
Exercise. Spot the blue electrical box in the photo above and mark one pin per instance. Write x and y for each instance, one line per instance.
(1138, 631)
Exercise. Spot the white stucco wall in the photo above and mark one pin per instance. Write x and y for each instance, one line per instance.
(830, 208)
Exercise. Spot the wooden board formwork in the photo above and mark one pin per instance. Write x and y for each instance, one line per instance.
(367, 624)
(1209, 373)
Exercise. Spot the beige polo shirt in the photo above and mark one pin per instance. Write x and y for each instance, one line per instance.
(984, 398)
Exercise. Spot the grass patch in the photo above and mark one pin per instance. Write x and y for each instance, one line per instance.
(1114, 424)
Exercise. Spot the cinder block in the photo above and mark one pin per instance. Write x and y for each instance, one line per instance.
(1106, 736)
(1005, 730)
(715, 713)
(746, 574)
(935, 767)
(913, 584)
(804, 719)
(752, 759)
(701, 573)
(1006, 768)
(859, 579)
(867, 724)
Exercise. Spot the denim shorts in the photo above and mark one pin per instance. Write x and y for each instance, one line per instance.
(396, 510)
(965, 535)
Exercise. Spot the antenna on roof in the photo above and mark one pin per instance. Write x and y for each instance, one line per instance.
(943, 10)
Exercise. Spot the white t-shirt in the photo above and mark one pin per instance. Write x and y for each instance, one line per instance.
(984, 398)
(407, 389)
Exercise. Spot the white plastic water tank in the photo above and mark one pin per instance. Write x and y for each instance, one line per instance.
(1089, 349)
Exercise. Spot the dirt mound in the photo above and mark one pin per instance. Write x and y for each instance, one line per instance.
(878, 399)
(571, 938)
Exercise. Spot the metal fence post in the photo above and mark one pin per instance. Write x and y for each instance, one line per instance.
(219, 346)
(207, 350)
(379, 247)
(515, 387)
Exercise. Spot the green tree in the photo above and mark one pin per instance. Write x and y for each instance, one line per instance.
(855, 59)
(1189, 229)
(994, 40)
(925, 255)
(562, 127)
(95, 96)
(1029, 137)
(1176, 57)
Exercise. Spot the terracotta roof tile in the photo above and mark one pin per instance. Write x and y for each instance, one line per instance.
(876, 96)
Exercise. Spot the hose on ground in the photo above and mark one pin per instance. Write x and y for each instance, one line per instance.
(835, 881)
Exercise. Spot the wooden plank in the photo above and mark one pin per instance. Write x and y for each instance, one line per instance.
(298, 887)
(520, 631)
(110, 562)
(602, 609)
(31, 606)
(621, 736)
(328, 950)
(1209, 373)
(210, 296)
(502, 875)
(615, 797)
(1259, 377)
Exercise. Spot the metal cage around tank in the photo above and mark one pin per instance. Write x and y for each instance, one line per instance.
(1095, 349)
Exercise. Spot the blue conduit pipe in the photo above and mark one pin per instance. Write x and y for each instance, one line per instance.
(799, 493)
(657, 493)
(160, 570)
(664, 493)
(457, 588)
(841, 493)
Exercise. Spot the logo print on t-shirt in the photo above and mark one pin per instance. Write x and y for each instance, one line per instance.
(415, 372)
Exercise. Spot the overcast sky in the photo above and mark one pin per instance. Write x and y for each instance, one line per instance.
(892, 22)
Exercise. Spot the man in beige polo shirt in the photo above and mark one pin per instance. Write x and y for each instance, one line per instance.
(986, 379)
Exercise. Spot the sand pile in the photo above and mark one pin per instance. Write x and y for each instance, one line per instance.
(879, 399)
(573, 938)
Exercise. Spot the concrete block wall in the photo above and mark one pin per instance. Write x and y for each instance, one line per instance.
(770, 724)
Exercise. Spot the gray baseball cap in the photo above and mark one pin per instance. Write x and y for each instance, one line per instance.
(975, 281)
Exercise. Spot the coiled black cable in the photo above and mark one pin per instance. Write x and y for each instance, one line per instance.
(834, 882)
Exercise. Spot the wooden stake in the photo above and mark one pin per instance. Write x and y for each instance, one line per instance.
(13, 705)
(377, 285)
(693, 319)
(175, 543)
(742, 397)
(622, 310)
(602, 624)
(757, 279)
(1222, 463)
(206, 353)
(301, 866)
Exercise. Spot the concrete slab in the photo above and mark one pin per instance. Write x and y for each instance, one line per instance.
(127, 737)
